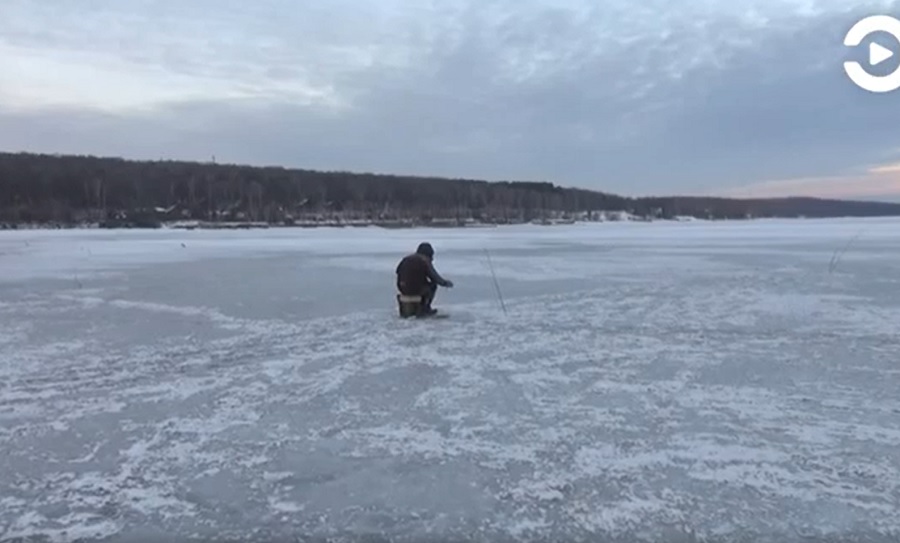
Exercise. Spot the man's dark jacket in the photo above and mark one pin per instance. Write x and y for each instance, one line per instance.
(416, 275)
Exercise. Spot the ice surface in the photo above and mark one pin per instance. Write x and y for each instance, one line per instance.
(659, 382)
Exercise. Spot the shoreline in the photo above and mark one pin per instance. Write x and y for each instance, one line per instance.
(385, 225)
(124, 222)
(388, 225)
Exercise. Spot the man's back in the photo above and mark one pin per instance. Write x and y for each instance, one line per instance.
(412, 274)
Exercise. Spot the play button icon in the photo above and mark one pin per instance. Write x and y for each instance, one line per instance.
(878, 54)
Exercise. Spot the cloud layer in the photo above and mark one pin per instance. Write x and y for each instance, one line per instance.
(640, 98)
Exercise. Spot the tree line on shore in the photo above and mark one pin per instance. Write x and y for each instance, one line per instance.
(68, 189)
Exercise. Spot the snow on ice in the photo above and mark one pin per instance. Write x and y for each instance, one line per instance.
(650, 381)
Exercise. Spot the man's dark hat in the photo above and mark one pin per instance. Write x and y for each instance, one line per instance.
(426, 249)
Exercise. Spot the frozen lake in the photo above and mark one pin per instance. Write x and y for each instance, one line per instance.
(659, 382)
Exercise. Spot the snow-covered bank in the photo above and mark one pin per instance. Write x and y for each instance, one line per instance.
(586, 217)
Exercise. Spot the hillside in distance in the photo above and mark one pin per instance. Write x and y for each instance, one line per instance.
(68, 189)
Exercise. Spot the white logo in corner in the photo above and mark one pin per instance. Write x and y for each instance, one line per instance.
(877, 54)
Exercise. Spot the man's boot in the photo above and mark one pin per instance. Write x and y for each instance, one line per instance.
(425, 310)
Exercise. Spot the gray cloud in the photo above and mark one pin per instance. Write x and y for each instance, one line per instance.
(648, 98)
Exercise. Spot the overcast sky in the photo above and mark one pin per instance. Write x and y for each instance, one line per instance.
(735, 97)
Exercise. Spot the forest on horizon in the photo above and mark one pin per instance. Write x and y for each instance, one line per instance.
(70, 189)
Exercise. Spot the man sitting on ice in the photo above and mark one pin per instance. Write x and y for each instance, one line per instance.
(416, 276)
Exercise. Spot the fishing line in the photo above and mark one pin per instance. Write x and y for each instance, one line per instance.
(496, 284)
(838, 253)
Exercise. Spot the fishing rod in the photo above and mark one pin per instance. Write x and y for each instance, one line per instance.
(496, 284)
